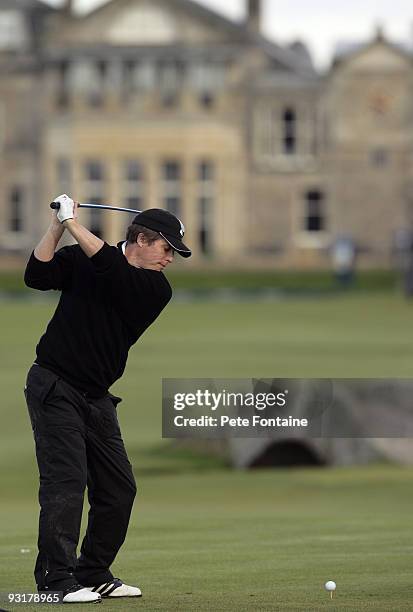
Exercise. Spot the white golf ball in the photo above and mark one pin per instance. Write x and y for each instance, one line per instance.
(330, 585)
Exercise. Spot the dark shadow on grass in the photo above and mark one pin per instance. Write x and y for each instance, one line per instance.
(288, 453)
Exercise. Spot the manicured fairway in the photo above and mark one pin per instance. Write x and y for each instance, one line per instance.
(351, 336)
(209, 539)
(254, 541)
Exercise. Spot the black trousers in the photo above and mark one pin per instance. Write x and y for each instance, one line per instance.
(78, 444)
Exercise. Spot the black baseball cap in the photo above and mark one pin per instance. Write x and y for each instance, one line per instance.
(167, 225)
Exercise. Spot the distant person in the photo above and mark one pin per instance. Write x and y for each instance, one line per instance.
(344, 261)
(109, 297)
(403, 258)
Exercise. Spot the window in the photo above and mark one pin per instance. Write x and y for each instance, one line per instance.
(172, 188)
(133, 171)
(173, 205)
(171, 75)
(145, 75)
(94, 171)
(204, 234)
(63, 86)
(96, 219)
(205, 172)
(63, 175)
(289, 131)
(207, 99)
(207, 75)
(379, 157)
(314, 214)
(171, 171)
(16, 209)
(97, 83)
(94, 190)
(138, 77)
(133, 184)
(88, 79)
(13, 29)
(128, 78)
(129, 67)
(206, 78)
(169, 99)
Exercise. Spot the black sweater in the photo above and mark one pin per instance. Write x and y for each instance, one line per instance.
(105, 306)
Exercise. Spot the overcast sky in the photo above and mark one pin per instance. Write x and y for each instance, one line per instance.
(319, 23)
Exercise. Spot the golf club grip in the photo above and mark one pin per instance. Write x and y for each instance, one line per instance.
(55, 205)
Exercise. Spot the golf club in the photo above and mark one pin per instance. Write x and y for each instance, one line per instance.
(56, 206)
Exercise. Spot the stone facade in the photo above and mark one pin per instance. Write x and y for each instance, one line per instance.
(163, 103)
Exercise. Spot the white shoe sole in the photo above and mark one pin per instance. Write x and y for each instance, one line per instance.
(82, 596)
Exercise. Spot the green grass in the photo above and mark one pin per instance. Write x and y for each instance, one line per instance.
(206, 538)
(249, 280)
(285, 280)
(351, 336)
(254, 541)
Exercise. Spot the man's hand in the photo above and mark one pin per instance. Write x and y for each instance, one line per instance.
(46, 248)
(66, 210)
(75, 215)
(88, 242)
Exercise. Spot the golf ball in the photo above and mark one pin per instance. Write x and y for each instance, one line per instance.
(330, 585)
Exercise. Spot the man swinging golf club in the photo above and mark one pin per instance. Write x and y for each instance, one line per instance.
(109, 297)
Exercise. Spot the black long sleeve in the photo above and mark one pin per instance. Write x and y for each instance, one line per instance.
(122, 282)
(105, 306)
(53, 274)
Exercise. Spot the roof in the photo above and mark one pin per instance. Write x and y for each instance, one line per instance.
(268, 81)
(346, 49)
(25, 5)
(291, 59)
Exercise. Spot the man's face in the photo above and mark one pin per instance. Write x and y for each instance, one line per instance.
(156, 256)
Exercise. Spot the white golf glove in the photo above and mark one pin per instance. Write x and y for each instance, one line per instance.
(66, 210)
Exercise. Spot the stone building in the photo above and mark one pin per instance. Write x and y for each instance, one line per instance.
(164, 103)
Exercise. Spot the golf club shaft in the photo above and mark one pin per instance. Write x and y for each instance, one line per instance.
(56, 206)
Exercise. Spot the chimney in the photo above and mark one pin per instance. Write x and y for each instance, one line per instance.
(68, 6)
(380, 36)
(254, 15)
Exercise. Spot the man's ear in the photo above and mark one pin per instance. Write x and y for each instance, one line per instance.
(140, 240)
